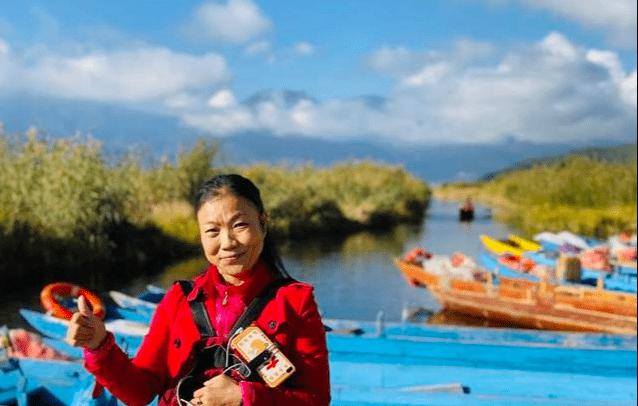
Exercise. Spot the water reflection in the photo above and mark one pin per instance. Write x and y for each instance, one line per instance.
(353, 246)
(355, 277)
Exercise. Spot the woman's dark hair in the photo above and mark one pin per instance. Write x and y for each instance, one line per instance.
(242, 187)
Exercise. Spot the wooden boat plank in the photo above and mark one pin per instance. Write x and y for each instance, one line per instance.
(492, 336)
(354, 396)
(403, 351)
(533, 305)
(486, 382)
(551, 318)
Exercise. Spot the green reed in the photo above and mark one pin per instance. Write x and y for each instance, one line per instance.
(589, 196)
(65, 210)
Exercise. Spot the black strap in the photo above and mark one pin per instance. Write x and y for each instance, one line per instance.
(259, 360)
(200, 315)
(202, 320)
(216, 358)
(259, 303)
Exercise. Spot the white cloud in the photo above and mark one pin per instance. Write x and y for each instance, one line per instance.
(430, 75)
(259, 48)
(557, 45)
(225, 123)
(4, 48)
(628, 90)
(398, 61)
(222, 99)
(236, 22)
(183, 101)
(303, 48)
(5, 62)
(130, 76)
(618, 17)
(550, 91)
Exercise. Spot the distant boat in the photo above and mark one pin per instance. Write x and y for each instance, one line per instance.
(466, 213)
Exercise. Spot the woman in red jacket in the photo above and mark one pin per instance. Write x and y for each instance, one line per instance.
(234, 237)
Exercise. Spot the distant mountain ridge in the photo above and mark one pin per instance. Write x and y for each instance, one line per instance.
(123, 129)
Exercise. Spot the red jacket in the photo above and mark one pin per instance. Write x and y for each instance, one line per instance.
(291, 319)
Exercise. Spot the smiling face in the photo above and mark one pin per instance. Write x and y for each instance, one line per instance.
(232, 232)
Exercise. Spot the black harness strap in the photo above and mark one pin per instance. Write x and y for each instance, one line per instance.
(216, 356)
(200, 315)
(255, 308)
(252, 312)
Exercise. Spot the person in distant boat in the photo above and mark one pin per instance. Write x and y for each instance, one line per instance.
(466, 213)
(192, 354)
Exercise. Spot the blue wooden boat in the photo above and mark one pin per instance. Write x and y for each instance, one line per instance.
(617, 281)
(142, 305)
(128, 334)
(377, 363)
(408, 364)
(30, 374)
(44, 382)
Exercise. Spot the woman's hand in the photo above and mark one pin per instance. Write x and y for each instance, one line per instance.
(219, 391)
(85, 328)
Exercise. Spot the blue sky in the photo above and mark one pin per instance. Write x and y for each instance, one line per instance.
(404, 71)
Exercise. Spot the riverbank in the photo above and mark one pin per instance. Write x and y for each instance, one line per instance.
(67, 213)
(578, 194)
(307, 202)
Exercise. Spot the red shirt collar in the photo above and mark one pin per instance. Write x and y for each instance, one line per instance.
(213, 285)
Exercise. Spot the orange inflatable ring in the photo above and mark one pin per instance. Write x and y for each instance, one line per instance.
(49, 299)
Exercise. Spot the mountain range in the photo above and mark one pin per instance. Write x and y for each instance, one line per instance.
(123, 129)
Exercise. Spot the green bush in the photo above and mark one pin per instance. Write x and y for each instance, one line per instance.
(584, 195)
(65, 210)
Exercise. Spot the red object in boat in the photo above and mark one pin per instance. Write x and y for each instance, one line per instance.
(49, 298)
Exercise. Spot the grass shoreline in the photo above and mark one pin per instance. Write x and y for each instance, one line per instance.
(65, 213)
(578, 194)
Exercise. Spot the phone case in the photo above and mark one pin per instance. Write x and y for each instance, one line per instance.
(253, 341)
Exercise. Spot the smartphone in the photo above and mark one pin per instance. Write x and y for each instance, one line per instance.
(251, 342)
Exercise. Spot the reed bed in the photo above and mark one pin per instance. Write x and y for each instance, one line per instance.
(587, 196)
(67, 212)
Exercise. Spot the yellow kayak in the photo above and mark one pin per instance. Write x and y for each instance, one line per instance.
(502, 246)
(525, 244)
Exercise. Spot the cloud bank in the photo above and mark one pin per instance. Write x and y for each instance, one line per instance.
(547, 91)
(119, 76)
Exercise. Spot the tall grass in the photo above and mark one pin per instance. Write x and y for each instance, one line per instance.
(65, 212)
(348, 196)
(580, 194)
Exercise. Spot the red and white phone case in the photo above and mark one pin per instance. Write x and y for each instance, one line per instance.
(251, 342)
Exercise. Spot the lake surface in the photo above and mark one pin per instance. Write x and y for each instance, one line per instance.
(354, 278)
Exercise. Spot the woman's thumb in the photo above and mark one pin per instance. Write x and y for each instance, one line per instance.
(83, 307)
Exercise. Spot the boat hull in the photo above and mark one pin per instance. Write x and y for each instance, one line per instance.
(530, 304)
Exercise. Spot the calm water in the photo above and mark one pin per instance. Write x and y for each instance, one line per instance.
(354, 278)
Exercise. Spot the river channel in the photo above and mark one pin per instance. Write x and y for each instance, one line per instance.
(354, 278)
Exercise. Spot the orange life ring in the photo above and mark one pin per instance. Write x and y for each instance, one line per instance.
(51, 292)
